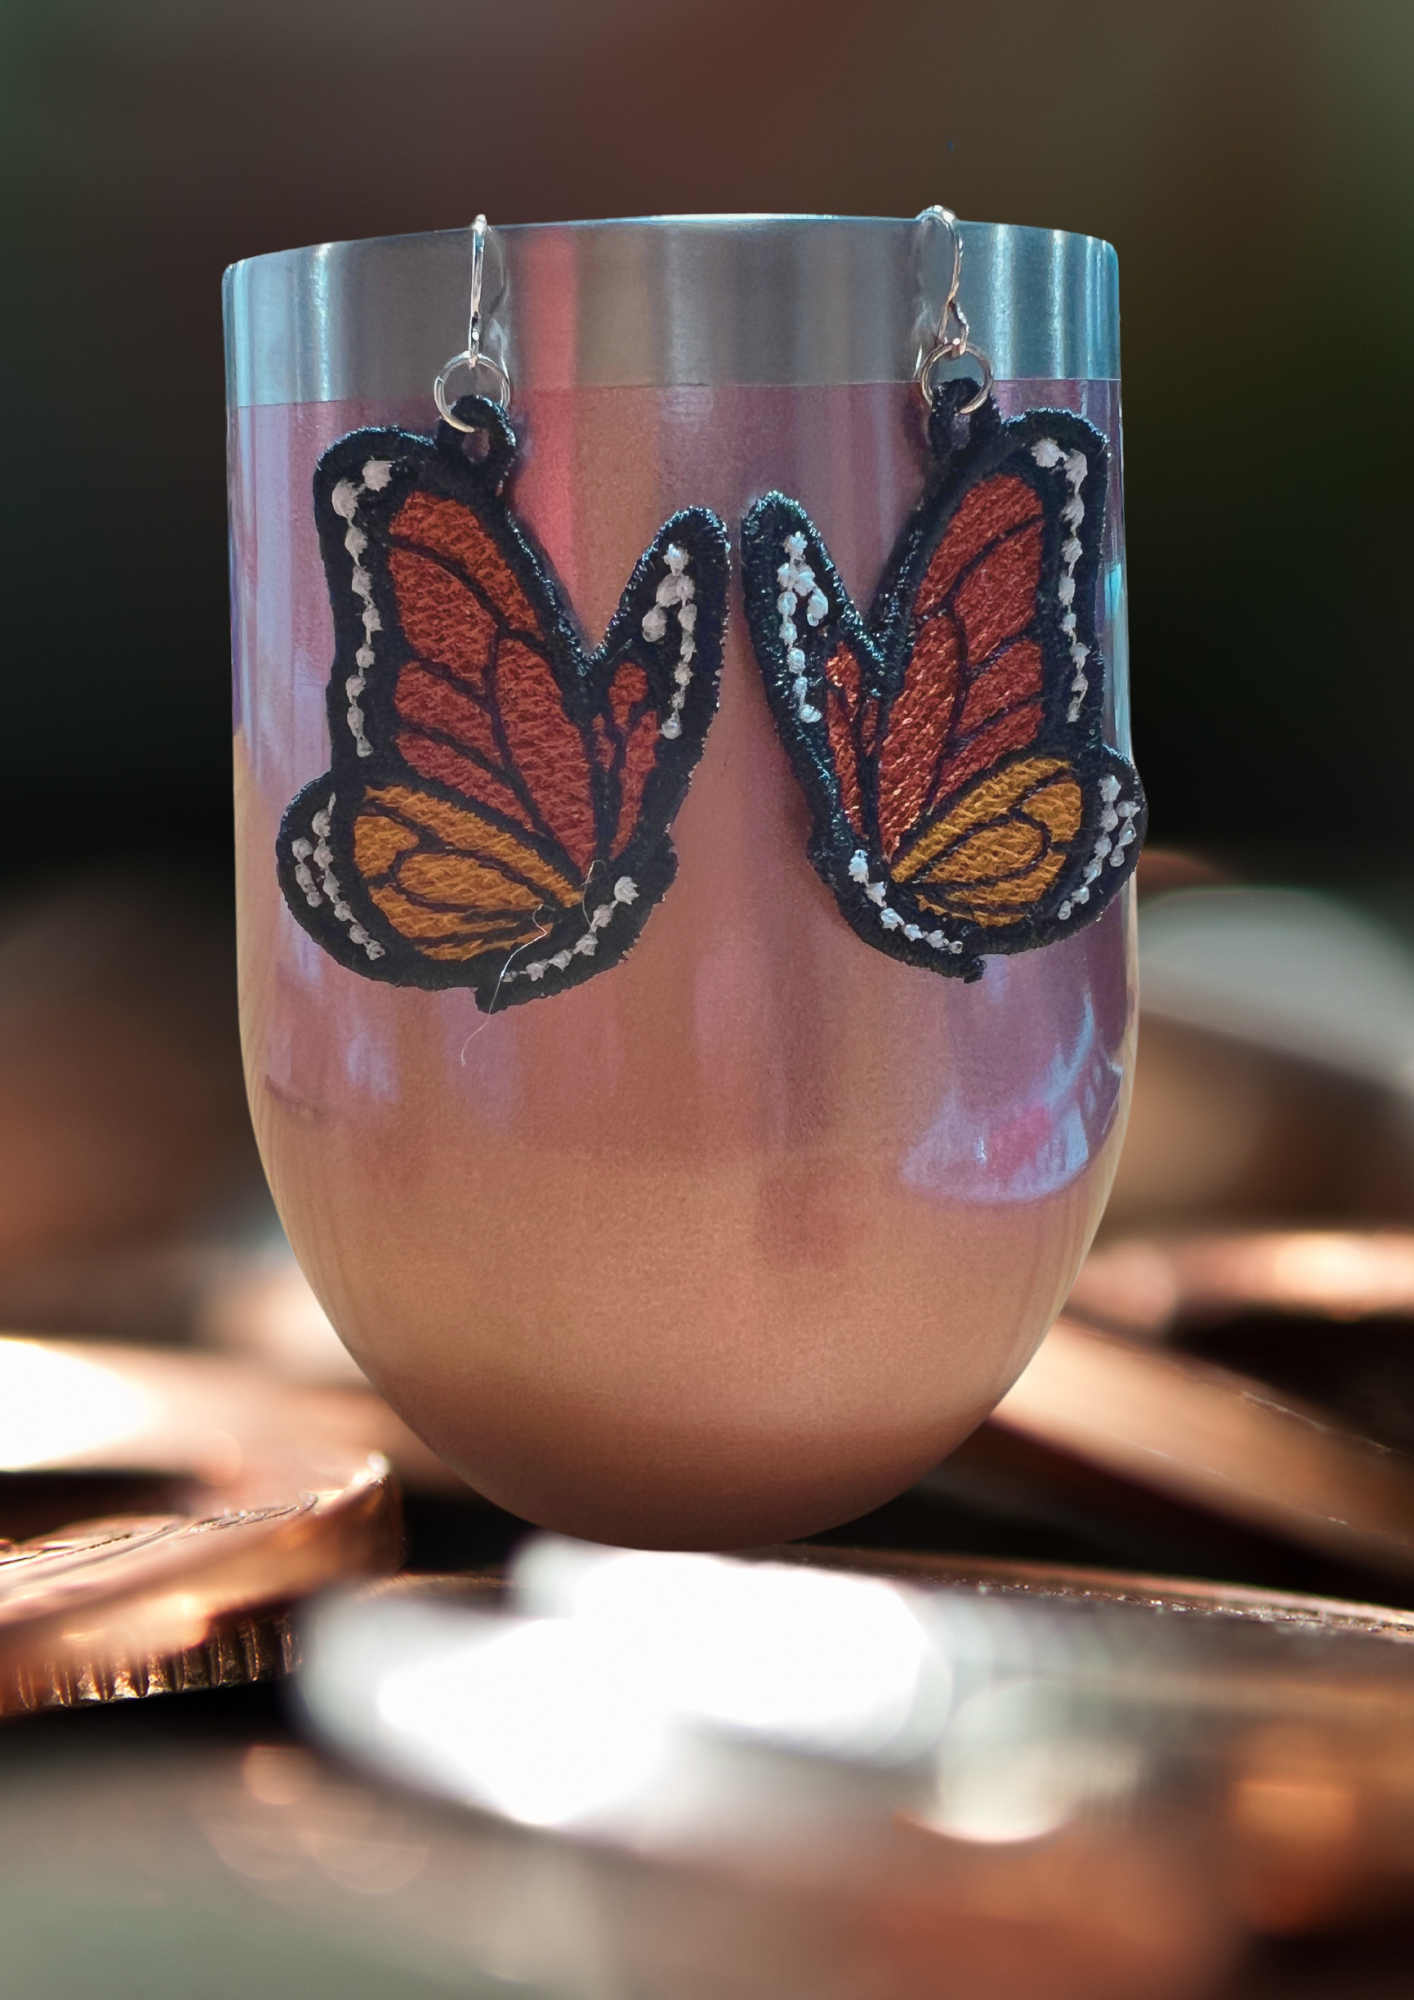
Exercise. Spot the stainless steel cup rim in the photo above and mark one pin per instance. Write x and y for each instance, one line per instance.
(666, 302)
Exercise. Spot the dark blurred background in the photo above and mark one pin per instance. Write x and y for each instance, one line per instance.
(1253, 161)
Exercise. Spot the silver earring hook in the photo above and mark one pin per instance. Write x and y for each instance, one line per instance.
(953, 339)
(471, 358)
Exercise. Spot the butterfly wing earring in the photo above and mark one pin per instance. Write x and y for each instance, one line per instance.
(497, 807)
(951, 742)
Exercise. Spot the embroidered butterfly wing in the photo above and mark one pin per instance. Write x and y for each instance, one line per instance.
(950, 744)
(497, 806)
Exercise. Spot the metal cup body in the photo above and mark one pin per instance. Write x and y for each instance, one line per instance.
(734, 1240)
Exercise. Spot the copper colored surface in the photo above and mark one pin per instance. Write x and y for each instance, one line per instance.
(1216, 1440)
(1146, 1284)
(265, 1504)
(1227, 1132)
(737, 1240)
(1041, 1580)
(363, 1421)
(1246, 1772)
(207, 1416)
(356, 1888)
(1002, 1576)
(1310, 1760)
(805, 1876)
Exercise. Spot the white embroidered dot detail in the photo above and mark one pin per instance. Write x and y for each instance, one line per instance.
(344, 500)
(798, 585)
(625, 892)
(1116, 835)
(327, 888)
(878, 894)
(676, 590)
(1049, 456)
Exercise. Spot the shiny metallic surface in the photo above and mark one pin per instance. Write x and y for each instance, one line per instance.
(668, 302)
(953, 340)
(1041, 1582)
(1151, 1286)
(1085, 1783)
(471, 358)
(1210, 1438)
(741, 1238)
(471, 363)
(1247, 1774)
(235, 1871)
(260, 1500)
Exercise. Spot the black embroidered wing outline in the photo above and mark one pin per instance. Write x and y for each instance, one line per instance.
(497, 807)
(950, 744)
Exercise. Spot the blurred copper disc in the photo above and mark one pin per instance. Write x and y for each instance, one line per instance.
(999, 1576)
(994, 1576)
(1148, 1284)
(1211, 1439)
(1310, 1757)
(1255, 1748)
(265, 1504)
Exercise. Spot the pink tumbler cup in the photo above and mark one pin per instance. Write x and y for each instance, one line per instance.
(732, 1242)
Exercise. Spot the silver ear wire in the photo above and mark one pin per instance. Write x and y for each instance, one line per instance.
(953, 339)
(471, 358)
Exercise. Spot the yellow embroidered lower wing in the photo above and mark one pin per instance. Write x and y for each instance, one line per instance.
(453, 883)
(996, 851)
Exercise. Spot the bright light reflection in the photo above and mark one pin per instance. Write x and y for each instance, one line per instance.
(573, 1716)
(1024, 1796)
(55, 1406)
(1014, 1767)
(834, 1663)
(541, 1720)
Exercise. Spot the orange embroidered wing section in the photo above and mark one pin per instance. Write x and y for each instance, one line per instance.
(479, 709)
(546, 749)
(950, 742)
(972, 685)
(639, 758)
(997, 850)
(489, 768)
(445, 622)
(451, 738)
(628, 694)
(844, 721)
(450, 881)
(631, 733)
(993, 509)
(446, 529)
(997, 598)
(920, 724)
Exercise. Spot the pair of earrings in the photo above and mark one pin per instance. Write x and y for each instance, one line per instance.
(498, 806)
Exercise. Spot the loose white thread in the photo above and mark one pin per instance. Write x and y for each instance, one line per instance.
(1048, 454)
(797, 581)
(877, 892)
(327, 888)
(344, 500)
(625, 892)
(1116, 834)
(675, 589)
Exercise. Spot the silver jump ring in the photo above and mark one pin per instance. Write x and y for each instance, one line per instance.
(954, 350)
(471, 362)
(471, 358)
(953, 339)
